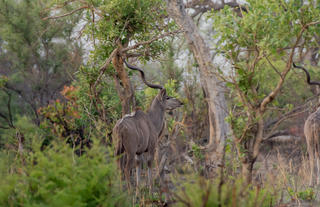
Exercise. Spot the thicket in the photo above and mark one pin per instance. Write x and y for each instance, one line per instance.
(56, 176)
(58, 106)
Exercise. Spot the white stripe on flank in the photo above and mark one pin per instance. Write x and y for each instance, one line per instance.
(127, 115)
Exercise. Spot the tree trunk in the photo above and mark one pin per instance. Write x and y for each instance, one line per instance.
(214, 88)
(247, 170)
(123, 86)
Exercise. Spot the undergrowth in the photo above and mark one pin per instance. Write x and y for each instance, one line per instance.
(58, 177)
(199, 191)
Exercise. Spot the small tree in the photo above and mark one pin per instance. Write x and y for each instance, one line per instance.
(36, 59)
(261, 44)
(117, 29)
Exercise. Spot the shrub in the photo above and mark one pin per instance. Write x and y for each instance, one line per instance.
(308, 194)
(57, 177)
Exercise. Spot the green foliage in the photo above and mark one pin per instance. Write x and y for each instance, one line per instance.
(261, 45)
(169, 70)
(206, 193)
(237, 123)
(268, 25)
(37, 58)
(88, 105)
(27, 36)
(3, 80)
(24, 125)
(125, 21)
(257, 44)
(170, 86)
(197, 152)
(136, 16)
(266, 29)
(62, 118)
(113, 24)
(56, 177)
(308, 194)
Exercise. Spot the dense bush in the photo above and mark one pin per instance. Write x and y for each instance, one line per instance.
(57, 177)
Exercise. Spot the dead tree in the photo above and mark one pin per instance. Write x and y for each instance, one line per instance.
(137, 133)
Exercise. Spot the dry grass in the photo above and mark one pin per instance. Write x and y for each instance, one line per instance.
(286, 165)
(282, 170)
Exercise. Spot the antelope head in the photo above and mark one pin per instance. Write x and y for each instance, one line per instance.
(167, 102)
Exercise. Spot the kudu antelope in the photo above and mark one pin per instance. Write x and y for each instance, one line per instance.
(137, 133)
(312, 133)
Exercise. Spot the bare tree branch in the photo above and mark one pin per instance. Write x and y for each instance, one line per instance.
(275, 91)
(67, 14)
(291, 114)
(3, 127)
(202, 6)
(59, 6)
(150, 41)
(4, 117)
(114, 52)
(273, 67)
(104, 66)
(21, 95)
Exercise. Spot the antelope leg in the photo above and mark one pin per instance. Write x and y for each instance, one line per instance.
(138, 165)
(311, 160)
(130, 159)
(149, 164)
(150, 178)
(318, 168)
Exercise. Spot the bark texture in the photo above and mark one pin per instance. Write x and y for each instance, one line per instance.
(214, 88)
(123, 86)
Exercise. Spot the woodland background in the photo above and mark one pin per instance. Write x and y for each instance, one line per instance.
(237, 141)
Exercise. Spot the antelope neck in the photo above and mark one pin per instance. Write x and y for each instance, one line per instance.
(156, 114)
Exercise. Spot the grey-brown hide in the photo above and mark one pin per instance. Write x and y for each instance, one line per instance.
(137, 133)
(312, 134)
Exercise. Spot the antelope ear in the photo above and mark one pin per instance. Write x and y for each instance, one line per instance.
(163, 92)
